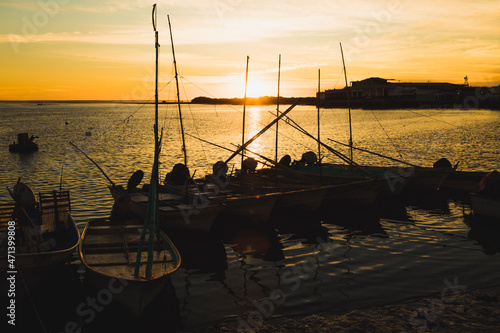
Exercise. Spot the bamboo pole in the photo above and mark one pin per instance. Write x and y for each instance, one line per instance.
(243, 129)
(348, 105)
(91, 160)
(319, 131)
(262, 131)
(178, 94)
(377, 154)
(277, 109)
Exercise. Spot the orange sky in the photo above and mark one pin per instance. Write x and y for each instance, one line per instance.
(67, 50)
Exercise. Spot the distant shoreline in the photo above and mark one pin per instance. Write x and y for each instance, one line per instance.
(265, 100)
(372, 104)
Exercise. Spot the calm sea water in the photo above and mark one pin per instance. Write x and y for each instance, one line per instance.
(331, 260)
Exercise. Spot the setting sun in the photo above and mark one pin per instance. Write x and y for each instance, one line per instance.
(260, 88)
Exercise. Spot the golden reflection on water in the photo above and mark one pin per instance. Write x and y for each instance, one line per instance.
(256, 118)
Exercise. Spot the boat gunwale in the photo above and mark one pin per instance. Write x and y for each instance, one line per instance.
(157, 278)
(56, 252)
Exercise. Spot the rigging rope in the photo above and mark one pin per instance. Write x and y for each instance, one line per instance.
(423, 115)
(32, 303)
(387, 134)
(248, 116)
(194, 123)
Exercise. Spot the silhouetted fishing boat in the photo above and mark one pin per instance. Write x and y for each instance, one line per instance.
(397, 179)
(23, 144)
(112, 251)
(110, 254)
(176, 211)
(43, 232)
(485, 206)
(463, 181)
(256, 208)
(485, 201)
(411, 177)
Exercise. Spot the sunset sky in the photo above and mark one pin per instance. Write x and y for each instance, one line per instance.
(104, 50)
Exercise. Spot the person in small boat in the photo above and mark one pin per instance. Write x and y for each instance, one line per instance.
(121, 212)
(249, 165)
(285, 161)
(178, 176)
(135, 180)
(219, 171)
(442, 163)
(308, 158)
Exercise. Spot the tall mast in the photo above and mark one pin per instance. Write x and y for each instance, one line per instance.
(178, 95)
(244, 116)
(348, 105)
(157, 46)
(319, 131)
(277, 110)
(152, 209)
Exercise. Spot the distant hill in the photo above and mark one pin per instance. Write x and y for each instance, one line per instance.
(265, 100)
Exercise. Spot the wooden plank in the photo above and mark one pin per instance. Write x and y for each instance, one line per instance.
(6, 214)
(115, 248)
(104, 259)
(105, 239)
(117, 259)
(114, 229)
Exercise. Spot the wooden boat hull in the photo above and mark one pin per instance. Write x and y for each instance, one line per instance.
(111, 271)
(309, 199)
(174, 215)
(464, 181)
(23, 148)
(254, 208)
(398, 179)
(363, 192)
(195, 218)
(485, 206)
(37, 268)
(343, 187)
(341, 174)
(428, 179)
(133, 296)
(292, 195)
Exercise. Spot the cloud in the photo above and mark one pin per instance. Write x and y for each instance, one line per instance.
(401, 39)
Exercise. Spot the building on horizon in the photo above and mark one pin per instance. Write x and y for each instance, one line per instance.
(375, 92)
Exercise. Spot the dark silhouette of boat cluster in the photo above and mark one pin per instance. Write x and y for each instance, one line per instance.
(24, 144)
(132, 246)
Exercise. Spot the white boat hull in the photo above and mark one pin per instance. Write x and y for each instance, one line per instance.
(305, 199)
(37, 267)
(255, 208)
(199, 217)
(485, 206)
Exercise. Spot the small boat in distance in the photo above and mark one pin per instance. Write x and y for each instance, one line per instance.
(45, 234)
(24, 144)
